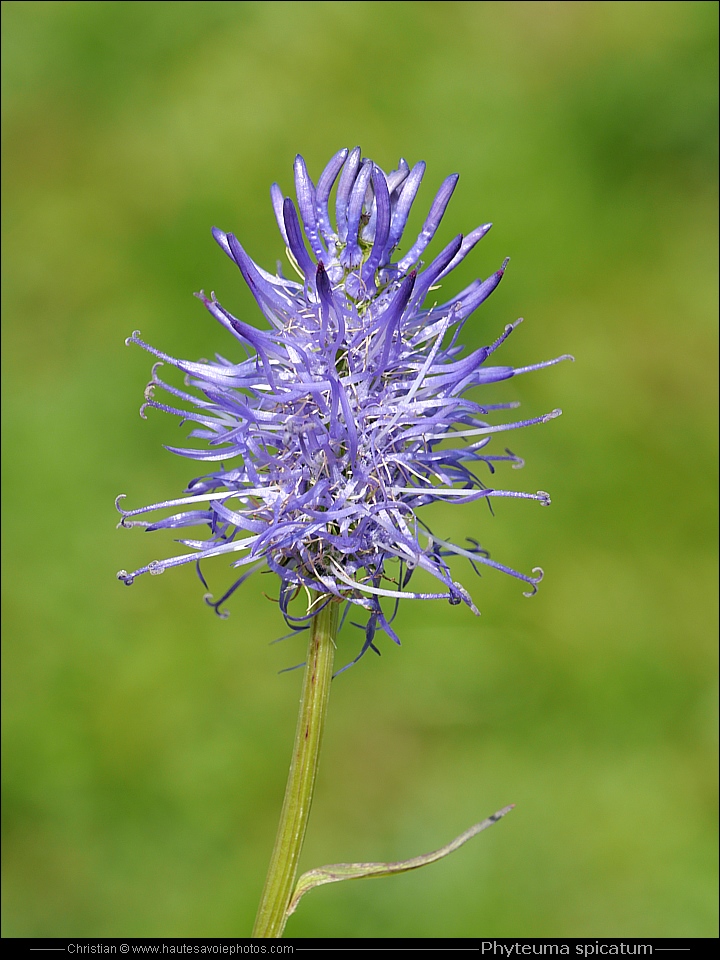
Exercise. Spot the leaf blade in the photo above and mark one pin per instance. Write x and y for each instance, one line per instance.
(335, 872)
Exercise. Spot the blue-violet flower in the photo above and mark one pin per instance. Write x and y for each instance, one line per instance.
(350, 412)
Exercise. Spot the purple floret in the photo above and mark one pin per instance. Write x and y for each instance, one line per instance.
(350, 412)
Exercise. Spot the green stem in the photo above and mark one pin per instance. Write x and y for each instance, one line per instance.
(272, 912)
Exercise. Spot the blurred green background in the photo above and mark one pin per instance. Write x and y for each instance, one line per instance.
(146, 741)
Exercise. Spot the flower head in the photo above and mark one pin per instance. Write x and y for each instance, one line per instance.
(354, 409)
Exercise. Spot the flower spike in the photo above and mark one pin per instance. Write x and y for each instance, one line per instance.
(351, 411)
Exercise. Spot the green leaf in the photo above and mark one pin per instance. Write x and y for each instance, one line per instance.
(334, 872)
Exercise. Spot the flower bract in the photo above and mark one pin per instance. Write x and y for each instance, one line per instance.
(322, 436)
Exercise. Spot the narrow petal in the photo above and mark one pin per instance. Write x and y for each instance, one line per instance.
(347, 181)
(322, 194)
(401, 210)
(437, 211)
(352, 255)
(382, 225)
(295, 239)
(307, 201)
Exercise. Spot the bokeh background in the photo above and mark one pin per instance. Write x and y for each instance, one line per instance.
(147, 741)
